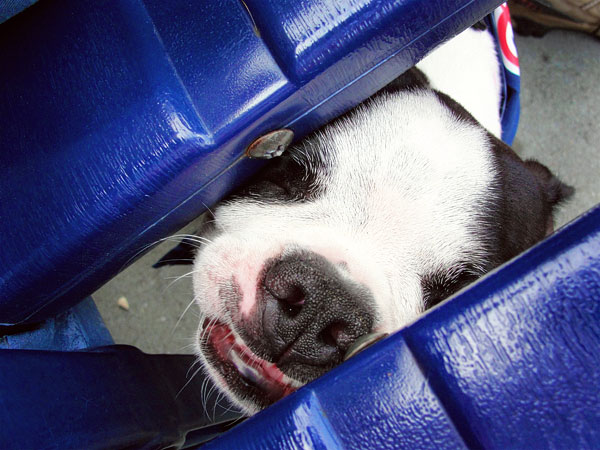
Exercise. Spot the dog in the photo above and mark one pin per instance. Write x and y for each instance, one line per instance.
(364, 225)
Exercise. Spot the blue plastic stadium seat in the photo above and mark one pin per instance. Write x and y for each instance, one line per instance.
(110, 398)
(124, 120)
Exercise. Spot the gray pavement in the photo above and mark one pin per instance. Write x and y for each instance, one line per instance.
(158, 298)
(559, 127)
(560, 112)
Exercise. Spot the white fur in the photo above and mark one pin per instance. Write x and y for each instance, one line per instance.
(466, 68)
(405, 179)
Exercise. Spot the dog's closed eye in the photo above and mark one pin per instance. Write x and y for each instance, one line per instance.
(437, 287)
(267, 189)
(284, 180)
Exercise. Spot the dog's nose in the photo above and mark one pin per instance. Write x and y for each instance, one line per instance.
(313, 313)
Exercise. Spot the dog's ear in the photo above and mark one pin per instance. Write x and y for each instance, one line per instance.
(528, 195)
(184, 253)
(555, 190)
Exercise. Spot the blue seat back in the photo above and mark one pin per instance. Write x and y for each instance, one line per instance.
(124, 120)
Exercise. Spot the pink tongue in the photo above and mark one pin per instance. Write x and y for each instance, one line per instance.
(263, 374)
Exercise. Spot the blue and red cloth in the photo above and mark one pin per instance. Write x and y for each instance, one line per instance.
(510, 73)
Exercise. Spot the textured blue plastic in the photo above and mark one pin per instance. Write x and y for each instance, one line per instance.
(123, 120)
(116, 397)
(511, 362)
(378, 400)
(517, 358)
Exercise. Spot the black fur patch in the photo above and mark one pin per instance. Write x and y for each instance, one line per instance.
(457, 109)
(520, 207)
(441, 285)
(555, 191)
(284, 180)
(480, 26)
(529, 194)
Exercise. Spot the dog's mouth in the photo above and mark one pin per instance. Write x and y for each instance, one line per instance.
(246, 374)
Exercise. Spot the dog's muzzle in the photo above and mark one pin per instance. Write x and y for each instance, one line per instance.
(312, 313)
(310, 316)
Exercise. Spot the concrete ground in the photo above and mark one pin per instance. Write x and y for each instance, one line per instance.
(559, 126)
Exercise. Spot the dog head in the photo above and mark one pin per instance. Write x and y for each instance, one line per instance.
(359, 228)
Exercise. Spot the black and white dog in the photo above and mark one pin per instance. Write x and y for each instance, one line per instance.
(366, 224)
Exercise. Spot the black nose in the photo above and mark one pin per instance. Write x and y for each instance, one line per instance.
(312, 313)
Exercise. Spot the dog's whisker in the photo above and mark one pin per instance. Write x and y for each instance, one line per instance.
(187, 347)
(187, 374)
(208, 329)
(175, 238)
(203, 338)
(220, 397)
(176, 260)
(211, 212)
(180, 277)
(188, 382)
(230, 408)
(176, 277)
(141, 250)
(210, 221)
(183, 314)
(191, 237)
(203, 391)
(212, 388)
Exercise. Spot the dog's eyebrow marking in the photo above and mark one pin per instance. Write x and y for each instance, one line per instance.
(440, 285)
(310, 154)
(287, 180)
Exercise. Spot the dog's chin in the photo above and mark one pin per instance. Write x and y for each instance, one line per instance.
(248, 380)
